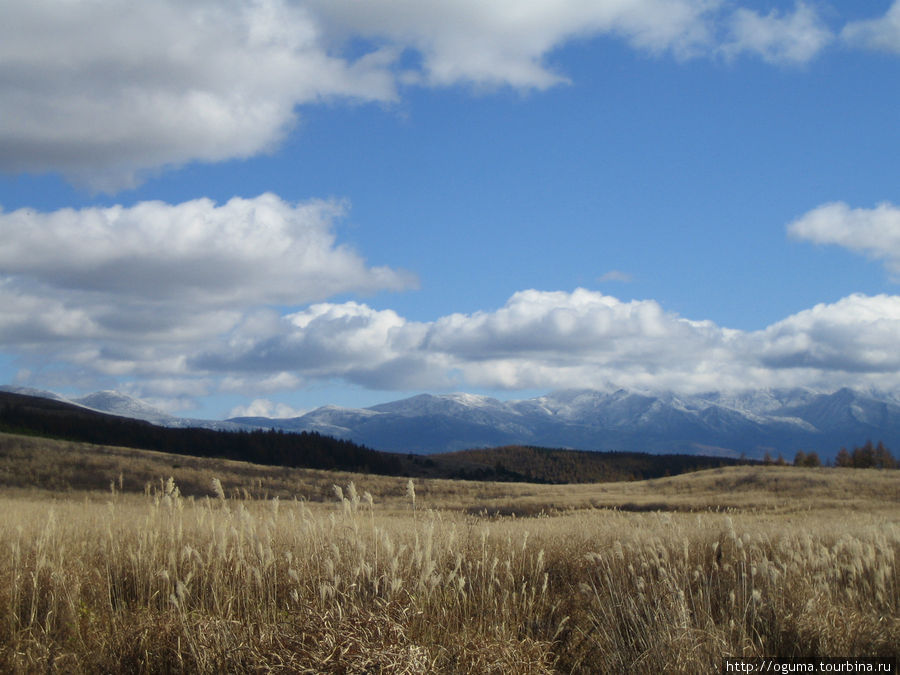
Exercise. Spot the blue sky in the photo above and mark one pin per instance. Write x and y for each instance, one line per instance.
(269, 206)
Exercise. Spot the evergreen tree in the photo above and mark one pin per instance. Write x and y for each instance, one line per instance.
(882, 458)
(864, 457)
(843, 458)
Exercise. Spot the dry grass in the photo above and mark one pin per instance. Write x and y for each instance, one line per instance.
(384, 578)
(60, 467)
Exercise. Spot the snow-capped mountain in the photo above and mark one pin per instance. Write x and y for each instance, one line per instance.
(752, 422)
(117, 403)
(123, 405)
(719, 423)
(30, 391)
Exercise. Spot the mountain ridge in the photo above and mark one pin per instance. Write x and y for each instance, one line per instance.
(117, 403)
(749, 423)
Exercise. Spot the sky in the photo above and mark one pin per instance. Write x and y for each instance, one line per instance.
(264, 206)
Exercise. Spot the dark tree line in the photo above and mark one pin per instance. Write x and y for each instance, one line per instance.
(554, 465)
(43, 417)
(867, 456)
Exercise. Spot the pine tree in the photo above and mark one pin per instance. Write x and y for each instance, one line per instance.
(882, 458)
(843, 458)
(864, 457)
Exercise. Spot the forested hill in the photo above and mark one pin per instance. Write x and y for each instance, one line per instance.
(21, 414)
(45, 417)
(546, 465)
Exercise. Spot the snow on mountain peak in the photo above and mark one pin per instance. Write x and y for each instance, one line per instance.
(117, 403)
(471, 400)
(751, 421)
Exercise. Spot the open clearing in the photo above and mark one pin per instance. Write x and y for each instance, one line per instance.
(121, 560)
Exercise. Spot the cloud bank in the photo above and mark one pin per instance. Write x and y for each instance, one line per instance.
(194, 298)
(108, 91)
(127, 291)
(583, 338)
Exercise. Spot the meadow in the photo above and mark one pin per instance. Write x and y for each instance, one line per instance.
(116, 560)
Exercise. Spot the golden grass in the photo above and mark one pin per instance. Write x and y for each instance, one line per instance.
(378, 577)
(61, 467)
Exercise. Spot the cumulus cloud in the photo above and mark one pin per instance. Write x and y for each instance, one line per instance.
(506, 42)
(104, 90)
(556, 339)
(872, 232)
(375, 348)
(135, 290)
(857, 334)
(548, 340)
(882, 33)
(776, 37)
(110, 90)
(246, 251)
(187, 299)
(569, 324)
(536, 340)
(262, 407)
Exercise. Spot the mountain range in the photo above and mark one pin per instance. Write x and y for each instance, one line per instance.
(123, 405)
(751, 423)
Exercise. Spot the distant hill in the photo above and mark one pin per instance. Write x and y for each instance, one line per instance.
(123, 405)
(39, 416)
(59, 419)
(749, 423)
(547, 465)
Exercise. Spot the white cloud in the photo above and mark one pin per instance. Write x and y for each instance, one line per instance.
(872, 232)
(244, 252)
(136, 290)
(107, 91)
(882, 33)
(28, 316)
(281, 381)
(778, 38)
(536, 340)
(188, 299)
(857, 334)
(571, 325)
(506, 42)
(104, 90)
(375, 348)
(548, 340)
(262, 407)
(555, 339)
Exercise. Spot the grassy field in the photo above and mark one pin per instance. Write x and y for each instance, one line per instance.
(120, 561)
